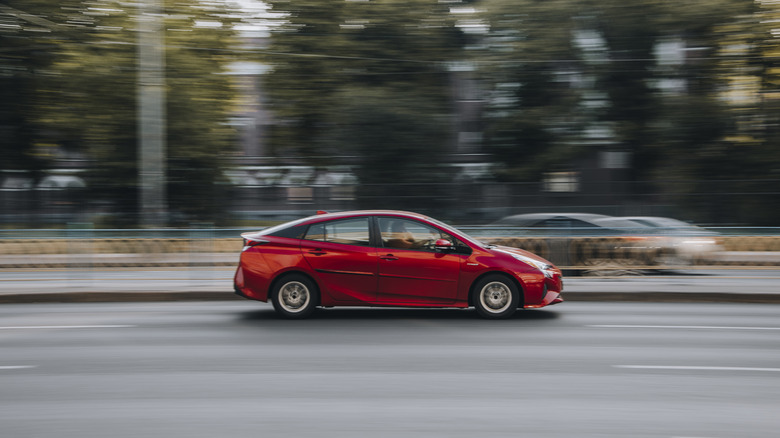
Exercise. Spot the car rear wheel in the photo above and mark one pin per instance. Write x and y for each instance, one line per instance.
(295, 296)
(496, 297)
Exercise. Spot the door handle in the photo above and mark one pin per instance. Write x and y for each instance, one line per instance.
(318, 252)
(388, 257)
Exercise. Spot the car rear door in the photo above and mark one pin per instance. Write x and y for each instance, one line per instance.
(345, 263)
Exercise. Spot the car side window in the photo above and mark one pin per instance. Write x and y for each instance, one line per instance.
(347, 231)
(408, 234)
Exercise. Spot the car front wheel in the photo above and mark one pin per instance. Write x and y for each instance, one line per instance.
(495, 297)
(295, 296)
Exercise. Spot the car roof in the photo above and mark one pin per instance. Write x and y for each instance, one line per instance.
(360, 213)
(659, 221)
(338, 215)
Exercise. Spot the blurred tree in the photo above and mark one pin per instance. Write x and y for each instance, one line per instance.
(689, 88)
(87, 100)
(528, 61)
(748, 71)
(392, 145)
(25, 45)
(660, 78)
(565, 75)
(304, 53)
(765, 163)
(335, 57)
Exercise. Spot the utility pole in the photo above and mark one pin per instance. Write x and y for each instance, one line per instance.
(151, 114)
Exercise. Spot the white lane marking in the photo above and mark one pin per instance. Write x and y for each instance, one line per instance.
(25, 327)
(697, 327)
(695, 368)
(15, 367)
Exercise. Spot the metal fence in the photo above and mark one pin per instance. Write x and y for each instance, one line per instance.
(82, 246)
(464, 200)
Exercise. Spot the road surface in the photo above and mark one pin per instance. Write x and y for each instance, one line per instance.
(233, 369)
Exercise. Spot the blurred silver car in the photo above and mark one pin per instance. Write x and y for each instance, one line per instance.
(686, 243)
(645, 240)
(572, 224)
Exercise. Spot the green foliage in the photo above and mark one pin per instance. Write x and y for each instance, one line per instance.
(391, 144)
(327, 47)
(25, 44)
(532, 110)
(368, 80)
(372, 81)
(569, 68)
(85, 99)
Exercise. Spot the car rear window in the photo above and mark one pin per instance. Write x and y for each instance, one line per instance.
(346, 231)
(295, 232)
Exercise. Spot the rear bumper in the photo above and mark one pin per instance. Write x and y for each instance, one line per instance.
(245, 288)
(239, 292)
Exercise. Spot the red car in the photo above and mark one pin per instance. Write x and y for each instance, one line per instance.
(389, 258)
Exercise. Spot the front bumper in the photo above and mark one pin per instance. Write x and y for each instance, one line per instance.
(550, 298)
(551, 294)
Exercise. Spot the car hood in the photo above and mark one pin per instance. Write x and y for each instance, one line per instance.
(522, 252)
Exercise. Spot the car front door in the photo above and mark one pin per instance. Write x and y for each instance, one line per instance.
(411, 270)
(343, 259)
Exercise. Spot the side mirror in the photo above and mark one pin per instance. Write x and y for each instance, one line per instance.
(443, 245)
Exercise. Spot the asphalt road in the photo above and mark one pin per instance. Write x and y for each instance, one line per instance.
(233, 369)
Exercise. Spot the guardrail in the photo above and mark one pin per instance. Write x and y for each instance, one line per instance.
(84, 247)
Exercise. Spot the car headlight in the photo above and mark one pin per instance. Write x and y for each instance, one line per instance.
(542, 266)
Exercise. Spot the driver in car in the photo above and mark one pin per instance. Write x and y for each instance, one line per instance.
(400, 237)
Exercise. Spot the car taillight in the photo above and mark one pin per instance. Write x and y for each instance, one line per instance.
(249, 243)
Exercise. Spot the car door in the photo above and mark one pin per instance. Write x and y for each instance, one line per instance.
(344, 261)
(411, 270)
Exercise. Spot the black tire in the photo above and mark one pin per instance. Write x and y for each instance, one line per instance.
(495, 297)
(295, 296)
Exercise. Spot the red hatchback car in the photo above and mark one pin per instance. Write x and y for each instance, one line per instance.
(389, 258)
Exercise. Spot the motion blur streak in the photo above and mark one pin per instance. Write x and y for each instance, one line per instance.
(703, 327)
(58, 327)
(695, 368)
